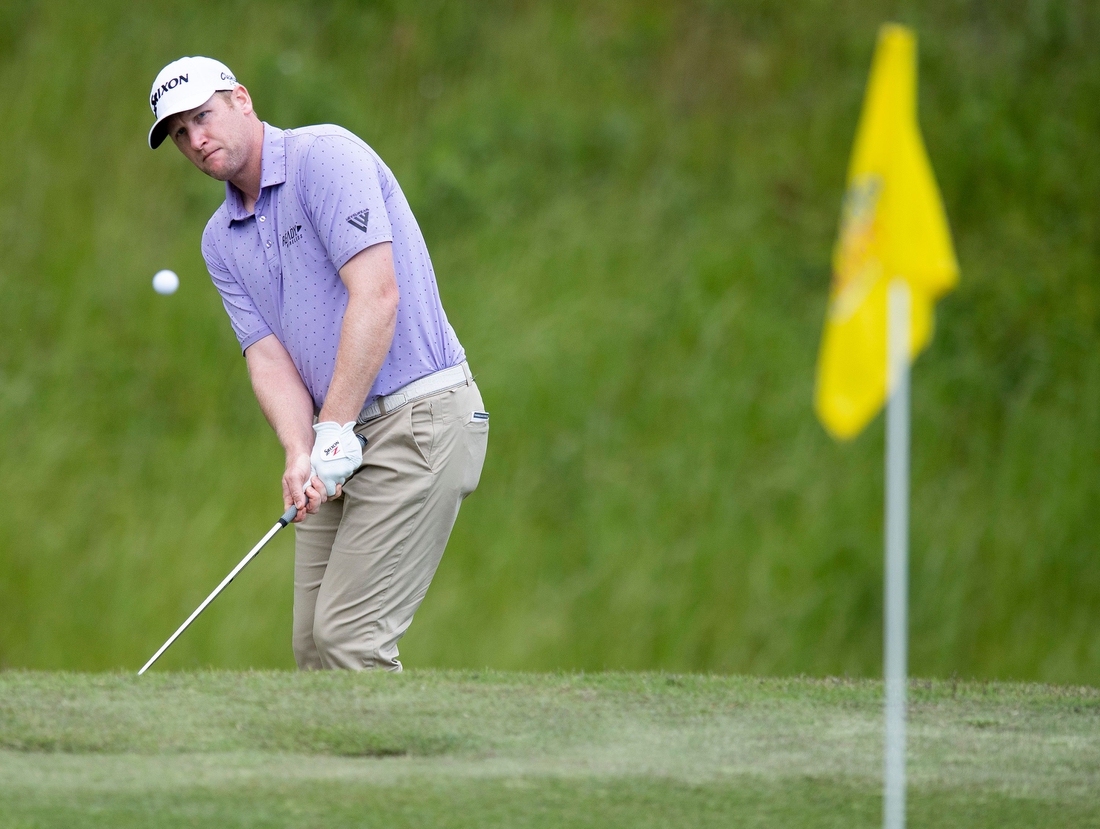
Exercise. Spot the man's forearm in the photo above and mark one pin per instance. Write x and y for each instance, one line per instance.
(288, 407)
(366, 333)
(283, 398)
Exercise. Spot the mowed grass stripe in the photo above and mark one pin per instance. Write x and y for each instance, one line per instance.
(489, 748)
(549, 802)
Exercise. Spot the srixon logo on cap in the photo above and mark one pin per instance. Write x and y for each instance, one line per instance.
(332, 452)
(164, 87)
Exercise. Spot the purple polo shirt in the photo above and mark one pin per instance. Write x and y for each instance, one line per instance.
(325, 195)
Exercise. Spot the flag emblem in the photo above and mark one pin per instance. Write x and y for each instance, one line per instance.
(855, 267)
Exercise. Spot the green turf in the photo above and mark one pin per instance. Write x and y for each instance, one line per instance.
(475, 749)
(630, 207)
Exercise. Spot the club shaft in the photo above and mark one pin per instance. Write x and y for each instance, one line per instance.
(244, 561)
(287, 517)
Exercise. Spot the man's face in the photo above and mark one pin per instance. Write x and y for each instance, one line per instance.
(215, 136)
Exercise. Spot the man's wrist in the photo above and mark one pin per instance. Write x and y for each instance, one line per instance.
(336, 415)
(297, 452)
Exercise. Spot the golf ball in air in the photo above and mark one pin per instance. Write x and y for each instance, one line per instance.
(165, 282)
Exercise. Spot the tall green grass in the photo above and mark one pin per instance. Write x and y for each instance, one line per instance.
(630, 207)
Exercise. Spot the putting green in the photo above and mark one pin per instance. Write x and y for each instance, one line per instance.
(501, 749)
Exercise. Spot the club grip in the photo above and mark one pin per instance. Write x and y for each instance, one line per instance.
(292, 510)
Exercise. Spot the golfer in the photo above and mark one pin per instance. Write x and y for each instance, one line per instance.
(328, 286)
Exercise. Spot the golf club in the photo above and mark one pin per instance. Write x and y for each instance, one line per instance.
(285, 519)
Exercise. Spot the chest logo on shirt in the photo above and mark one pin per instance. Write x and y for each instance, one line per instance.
(292, 235)
(359, 220)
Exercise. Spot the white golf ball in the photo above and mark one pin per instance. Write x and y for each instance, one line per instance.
(165, 282)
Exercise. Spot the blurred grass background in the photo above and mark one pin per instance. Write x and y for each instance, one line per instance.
(630, 207)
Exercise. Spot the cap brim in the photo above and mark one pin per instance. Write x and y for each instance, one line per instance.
(159, 130)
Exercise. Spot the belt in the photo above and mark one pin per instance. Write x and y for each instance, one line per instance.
(448, 378)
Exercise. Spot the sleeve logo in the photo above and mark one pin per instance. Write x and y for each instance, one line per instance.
(359, 220)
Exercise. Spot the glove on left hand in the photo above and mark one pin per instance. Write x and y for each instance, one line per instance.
(336, 454)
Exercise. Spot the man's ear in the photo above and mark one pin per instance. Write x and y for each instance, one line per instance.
(242, 99)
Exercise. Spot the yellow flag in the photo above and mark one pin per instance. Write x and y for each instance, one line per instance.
(892, 226)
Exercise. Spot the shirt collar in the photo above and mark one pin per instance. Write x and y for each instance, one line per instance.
(272, 172)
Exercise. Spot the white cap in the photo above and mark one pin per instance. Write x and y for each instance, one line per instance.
(182, 85)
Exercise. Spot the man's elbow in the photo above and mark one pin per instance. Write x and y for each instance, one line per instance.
(390, 296)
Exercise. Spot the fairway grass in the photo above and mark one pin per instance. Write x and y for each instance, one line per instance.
(451, 749)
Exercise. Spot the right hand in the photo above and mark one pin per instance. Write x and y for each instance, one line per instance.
(301, 488)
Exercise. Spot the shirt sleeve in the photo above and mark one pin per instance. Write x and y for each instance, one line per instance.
(343, 193)
(247, 323)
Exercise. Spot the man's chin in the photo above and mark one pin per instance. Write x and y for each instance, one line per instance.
(217, 171)
(214, 166)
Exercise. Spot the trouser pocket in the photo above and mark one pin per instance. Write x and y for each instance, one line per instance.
(475, 438)
(422, 427)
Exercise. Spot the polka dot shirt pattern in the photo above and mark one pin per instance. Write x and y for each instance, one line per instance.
(325, 196)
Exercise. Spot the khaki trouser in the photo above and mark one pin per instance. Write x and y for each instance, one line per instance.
(363, 563)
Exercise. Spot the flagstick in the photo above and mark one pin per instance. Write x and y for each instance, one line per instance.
(897, 552)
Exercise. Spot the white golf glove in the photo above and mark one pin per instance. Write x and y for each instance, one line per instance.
(336, 453)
